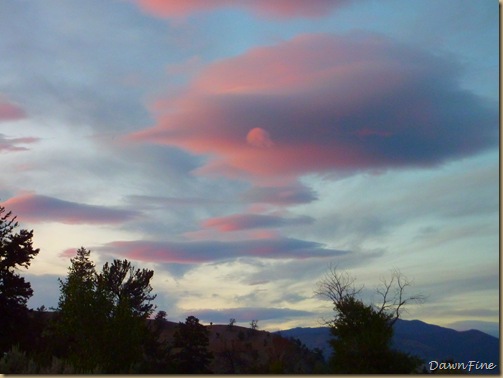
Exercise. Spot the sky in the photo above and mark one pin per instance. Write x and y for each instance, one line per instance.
(240, 148)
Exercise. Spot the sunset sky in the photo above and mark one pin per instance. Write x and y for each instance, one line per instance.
(240, 147)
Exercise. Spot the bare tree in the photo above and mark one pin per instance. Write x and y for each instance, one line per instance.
(393, 297)
(363, 331)
(337, 286)
(254, 324)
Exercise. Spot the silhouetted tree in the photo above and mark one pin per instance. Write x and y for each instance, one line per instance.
(363, 332)
(157, 351)
(254, 324)
(232, 321)
(128, 299)
(16, 251)
(191, 341)
(102, 317)
(79, 328)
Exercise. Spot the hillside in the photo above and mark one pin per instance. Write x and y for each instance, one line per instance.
(240, 350)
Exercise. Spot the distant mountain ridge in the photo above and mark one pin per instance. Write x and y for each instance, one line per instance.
(427, 341)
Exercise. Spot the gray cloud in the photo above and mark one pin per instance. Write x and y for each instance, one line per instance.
(207, 251)
(82, 72)
(39, 208)
(15, 144)
(252, 221)
(280, 195)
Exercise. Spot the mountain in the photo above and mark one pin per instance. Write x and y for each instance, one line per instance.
(427, 341)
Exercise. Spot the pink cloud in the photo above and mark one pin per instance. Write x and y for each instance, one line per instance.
(280, 195)
(10, 112)
(210, 250)
(238, 222)
(39, 208)
(265, 8)
(321, 103)
(68, 253)
(258, 137)
(13, 144)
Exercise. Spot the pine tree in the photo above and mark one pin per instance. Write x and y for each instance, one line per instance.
(16, 251)
(82, 316)
(192, 341)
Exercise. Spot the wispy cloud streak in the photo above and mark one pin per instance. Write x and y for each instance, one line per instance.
(250, 221)
(265, 8)
(15, 144)
(209, 251)
(40, 208)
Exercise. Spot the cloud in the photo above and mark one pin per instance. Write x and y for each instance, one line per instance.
(12, 144)
(68, 253)
(39, 208)
(264, 8)
(249, 221)
(209, 251)
(323, 103)
(448, 287)
(258, 137)
(10, 112)
(280, 195)
(246, 314)
(95, 67)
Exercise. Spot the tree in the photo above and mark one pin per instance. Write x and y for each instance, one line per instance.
(79, 333)
(192, 341)
(102, 317)
(232, 321)
(157, 350)
(128, 298)
(128, 287)
(16, 251)
(254, 324)
(363, 332)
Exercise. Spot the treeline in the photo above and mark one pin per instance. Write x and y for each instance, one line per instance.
(105, 323)
(100, 326)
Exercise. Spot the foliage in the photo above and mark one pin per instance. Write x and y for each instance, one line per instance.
(16, 361)
(192, 341)
(125, 292)
(81, 320)
(157, 353)
(363, 332)
(16, 251)
(102, 317)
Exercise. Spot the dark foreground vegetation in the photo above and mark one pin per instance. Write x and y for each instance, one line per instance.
(105, 323)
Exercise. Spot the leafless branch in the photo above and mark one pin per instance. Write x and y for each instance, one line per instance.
(393, 294)
(337, 286)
